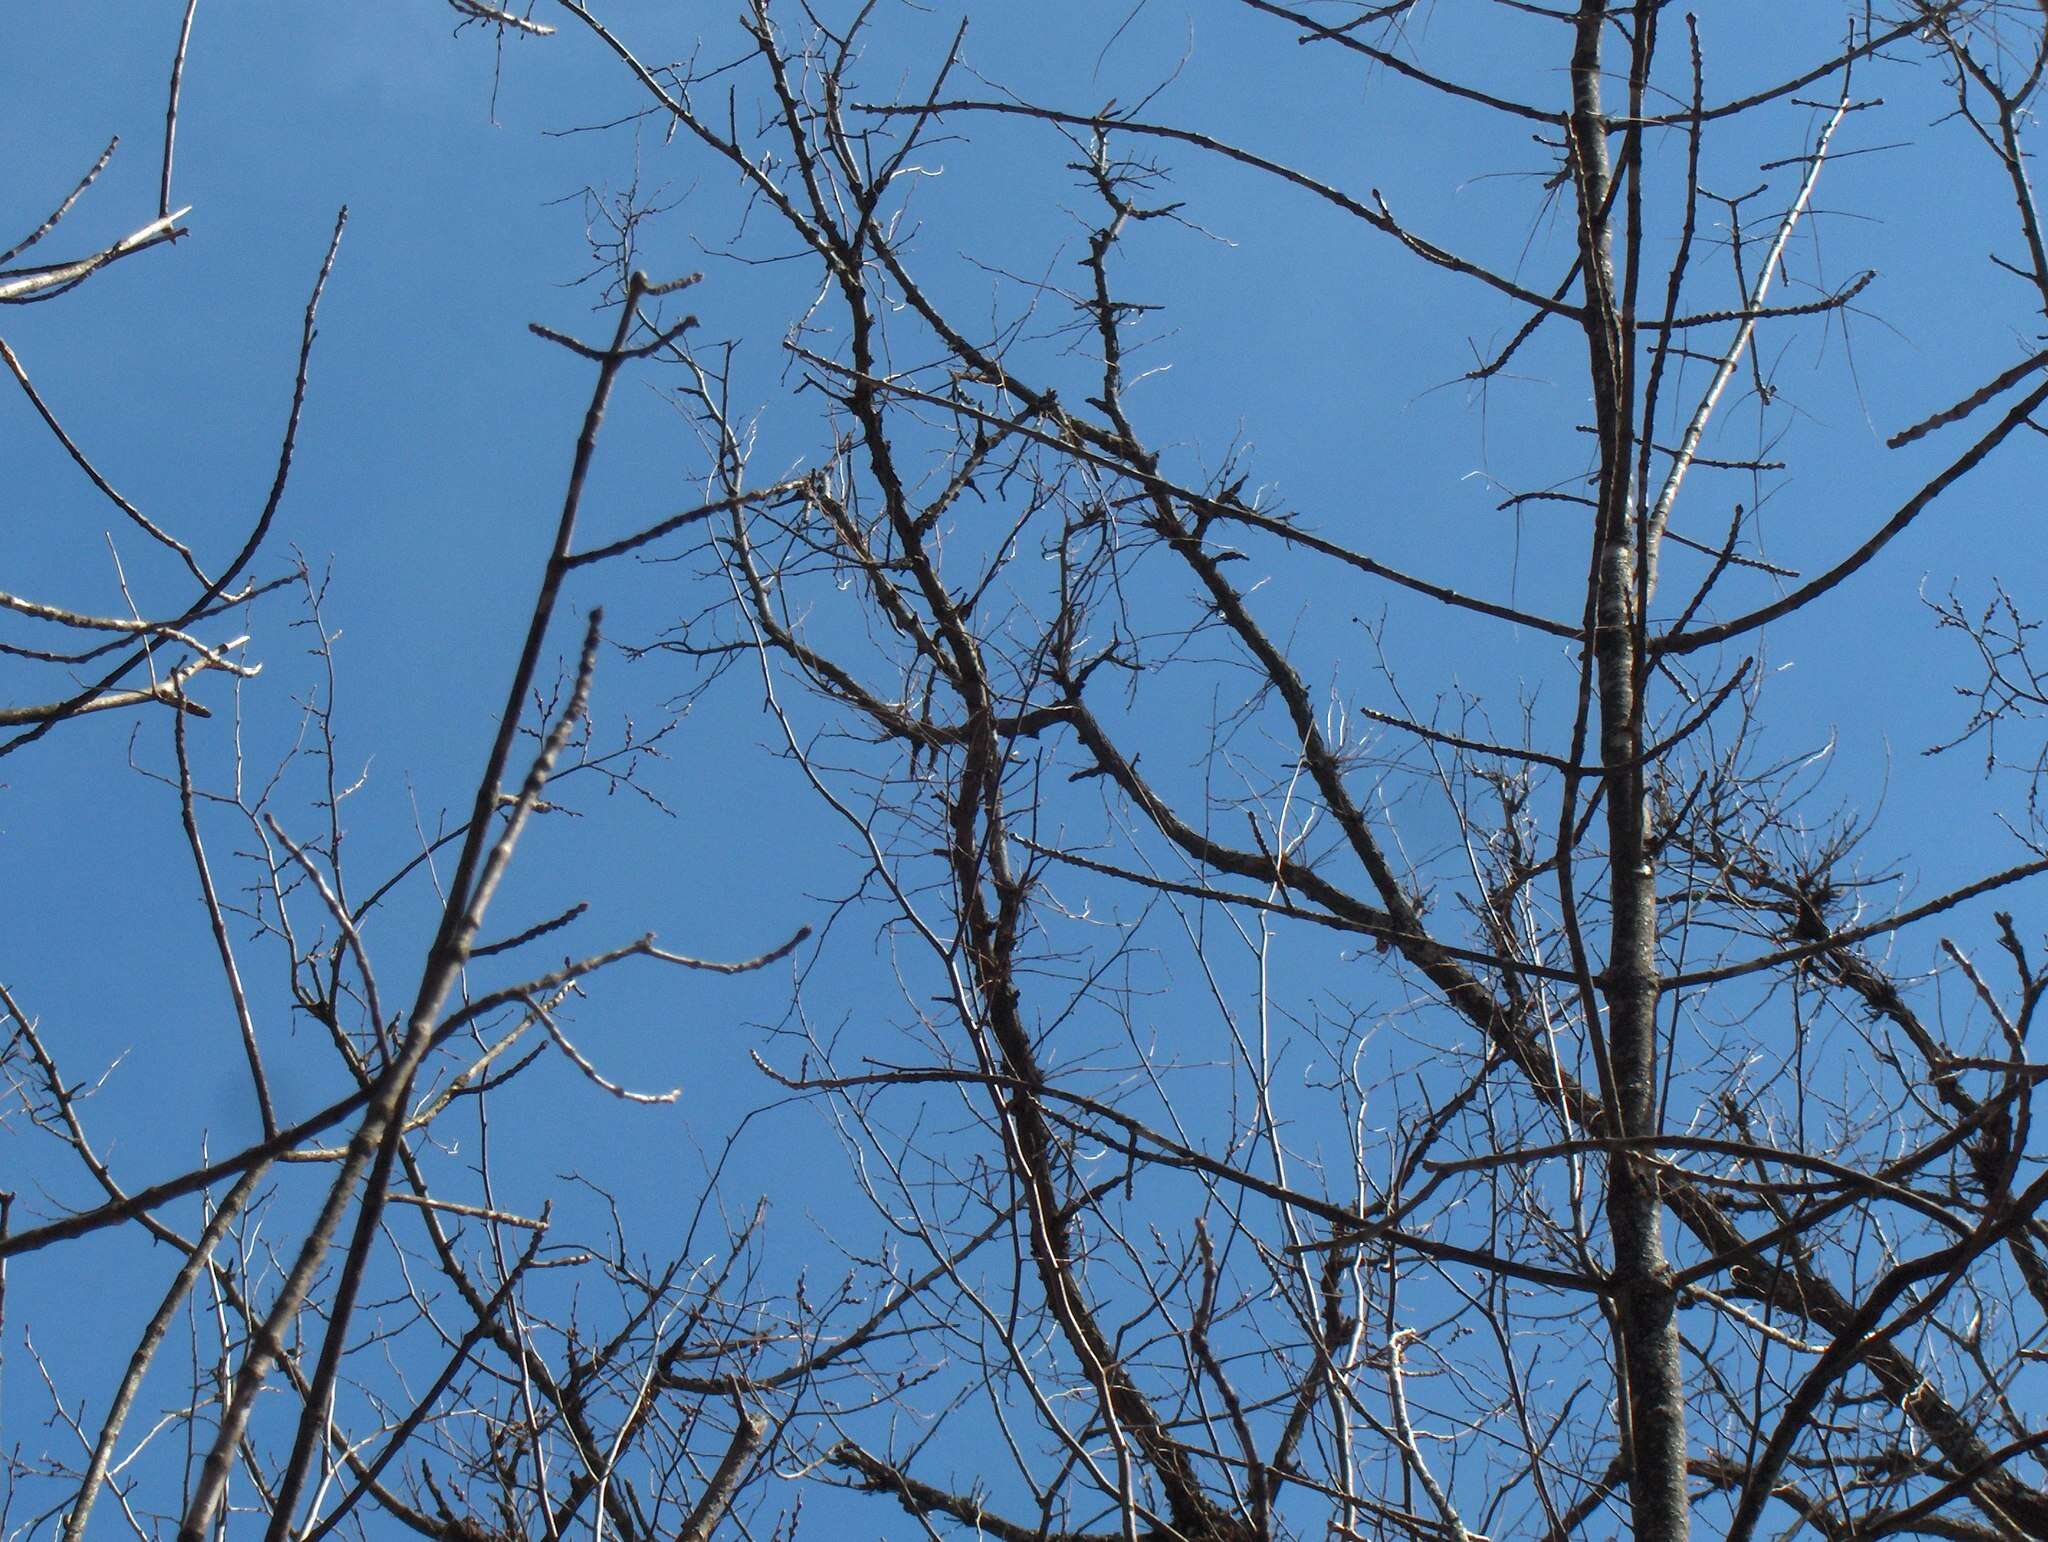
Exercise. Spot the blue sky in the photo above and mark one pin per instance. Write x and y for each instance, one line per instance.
(438, 432)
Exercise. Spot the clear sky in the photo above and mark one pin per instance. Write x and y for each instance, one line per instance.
(438, 431)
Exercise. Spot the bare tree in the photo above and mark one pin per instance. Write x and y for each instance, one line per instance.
(1335, 1045)
(1492, 1100)
(451, 1366)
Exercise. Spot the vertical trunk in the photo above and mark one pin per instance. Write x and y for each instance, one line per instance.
(1644, 1302)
